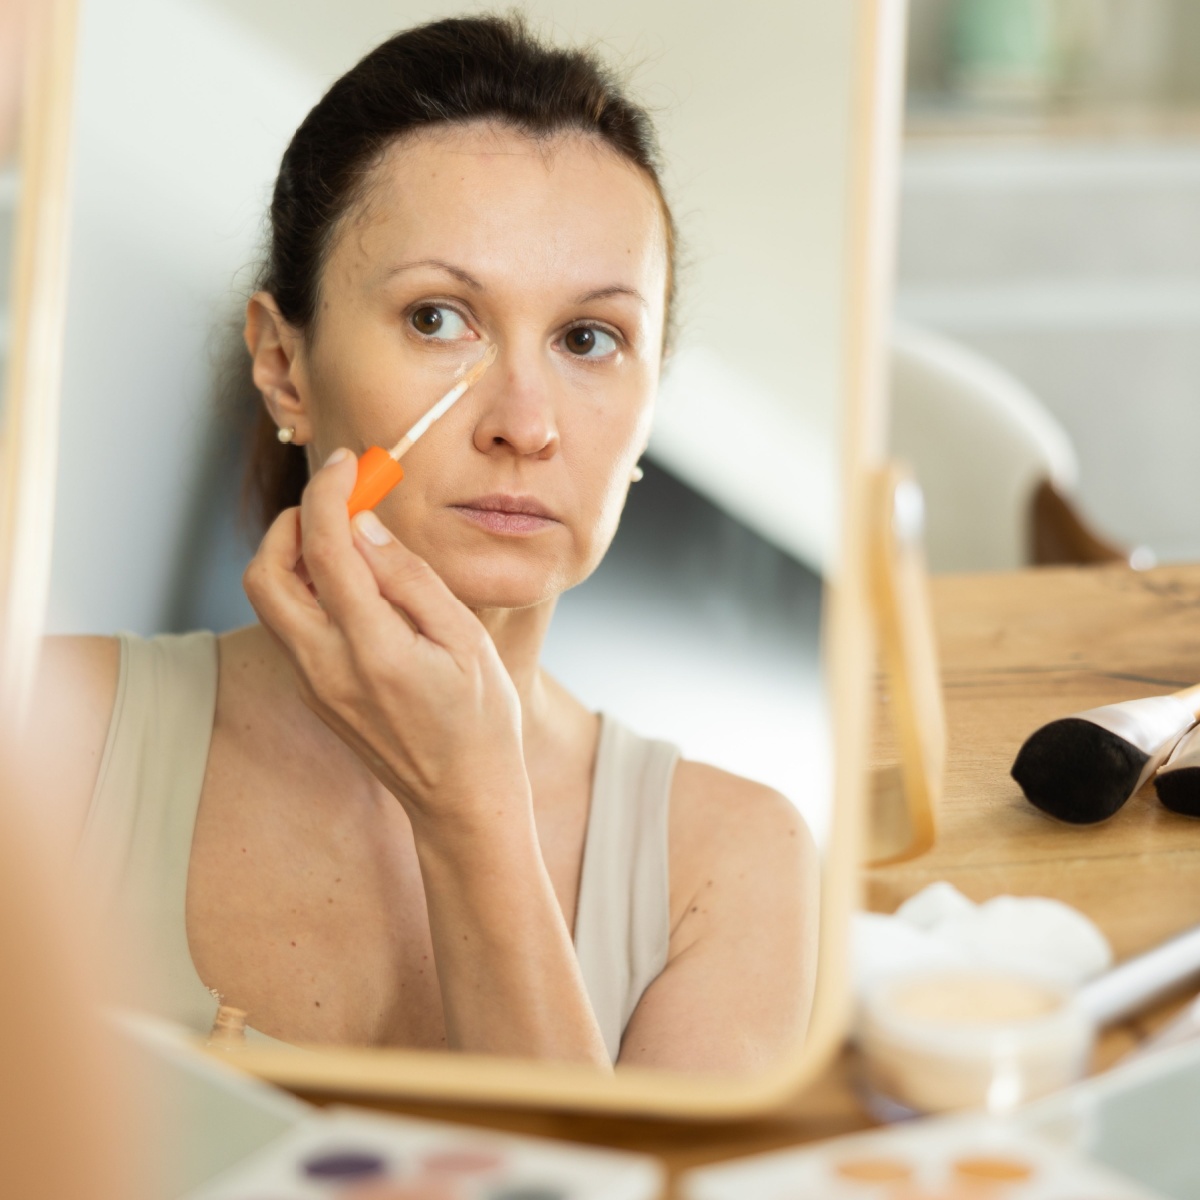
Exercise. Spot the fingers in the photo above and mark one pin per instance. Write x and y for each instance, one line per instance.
(407, 581)
(273, 584)
(344, 582)
(372, 588)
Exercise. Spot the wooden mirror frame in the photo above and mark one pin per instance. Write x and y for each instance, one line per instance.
(38, 303)
(904, 799)
(848, 644)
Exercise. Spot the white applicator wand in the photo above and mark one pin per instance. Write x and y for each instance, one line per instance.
(1140, 981)
(1082, 768)
(379, 470)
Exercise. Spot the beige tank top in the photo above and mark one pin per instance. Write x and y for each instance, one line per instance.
(137, 840)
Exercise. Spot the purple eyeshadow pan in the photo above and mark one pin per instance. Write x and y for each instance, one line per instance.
(344, 1164)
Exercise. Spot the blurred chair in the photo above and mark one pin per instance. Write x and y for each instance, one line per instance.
(997, 470)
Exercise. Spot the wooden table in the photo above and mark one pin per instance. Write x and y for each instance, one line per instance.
(1017, 650)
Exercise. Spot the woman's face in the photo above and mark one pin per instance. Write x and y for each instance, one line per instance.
(555, 252)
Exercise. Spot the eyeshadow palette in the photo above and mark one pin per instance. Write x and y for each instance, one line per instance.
(345, 1153)
(960, 1158)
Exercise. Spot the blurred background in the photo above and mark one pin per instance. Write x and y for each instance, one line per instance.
(1050, 220)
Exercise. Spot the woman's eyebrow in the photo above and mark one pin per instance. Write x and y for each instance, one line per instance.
(616, 289)
(439, 265)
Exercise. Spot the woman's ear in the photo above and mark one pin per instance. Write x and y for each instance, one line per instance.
(274, 347)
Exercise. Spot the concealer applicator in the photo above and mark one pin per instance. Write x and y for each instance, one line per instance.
(379, 470)
(1178, 779)
(1082, 768)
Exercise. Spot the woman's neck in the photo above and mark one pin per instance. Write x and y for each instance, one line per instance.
(558, 733)
(518, 635)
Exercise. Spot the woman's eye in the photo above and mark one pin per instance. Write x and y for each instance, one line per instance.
(438, 321)
(587, 341)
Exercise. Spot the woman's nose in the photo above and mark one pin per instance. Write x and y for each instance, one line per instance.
(518, 415)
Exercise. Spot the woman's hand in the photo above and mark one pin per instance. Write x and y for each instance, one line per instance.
(410, 679)
(390, 659)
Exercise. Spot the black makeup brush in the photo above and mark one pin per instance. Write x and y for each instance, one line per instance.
(1082, 768)
(1177, 781)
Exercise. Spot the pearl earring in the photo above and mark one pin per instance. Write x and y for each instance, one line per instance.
(286, 435)
(637, 475)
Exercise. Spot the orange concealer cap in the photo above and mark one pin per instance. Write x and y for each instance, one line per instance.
(378, 473)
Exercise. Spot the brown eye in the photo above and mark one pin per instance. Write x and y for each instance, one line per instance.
(427, 320)
(581, 341)
(440, 322)
(590, 341)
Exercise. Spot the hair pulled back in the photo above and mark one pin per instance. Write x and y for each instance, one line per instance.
(446, 72)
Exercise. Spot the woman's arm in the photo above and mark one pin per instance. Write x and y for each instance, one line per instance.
(738, 985)
(408, 677)
(509, 977)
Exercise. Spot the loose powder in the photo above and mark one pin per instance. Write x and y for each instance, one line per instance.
(953, 1039)
(971, 1000)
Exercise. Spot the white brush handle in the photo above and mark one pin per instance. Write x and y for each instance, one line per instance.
(1185, 754)
(1135, 984)
(1153, 725)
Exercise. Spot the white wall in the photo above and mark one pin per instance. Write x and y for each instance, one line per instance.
(181, 116)
(1076, 266)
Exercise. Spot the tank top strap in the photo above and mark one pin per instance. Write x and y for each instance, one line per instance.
(623, 915)
(137, 840)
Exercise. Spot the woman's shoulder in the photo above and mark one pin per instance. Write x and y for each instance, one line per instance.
(91, 660)
(77, 694)
(718, 805)
(79, 675)
(70, 712)
(732, 833)
(76, 685)
(712, 809)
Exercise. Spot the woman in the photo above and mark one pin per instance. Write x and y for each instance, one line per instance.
(371, 818)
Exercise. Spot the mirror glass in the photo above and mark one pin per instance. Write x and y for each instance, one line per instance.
(701, 627)
(35, 103)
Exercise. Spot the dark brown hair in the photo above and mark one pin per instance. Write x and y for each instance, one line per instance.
(445, 72)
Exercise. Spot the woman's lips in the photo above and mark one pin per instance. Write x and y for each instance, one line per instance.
(507, 514)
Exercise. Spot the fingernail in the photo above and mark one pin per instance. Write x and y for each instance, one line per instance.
(372, 528)
(336, 456)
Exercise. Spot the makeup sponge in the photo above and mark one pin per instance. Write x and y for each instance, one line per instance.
(1082, 768)
(1077, 771)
